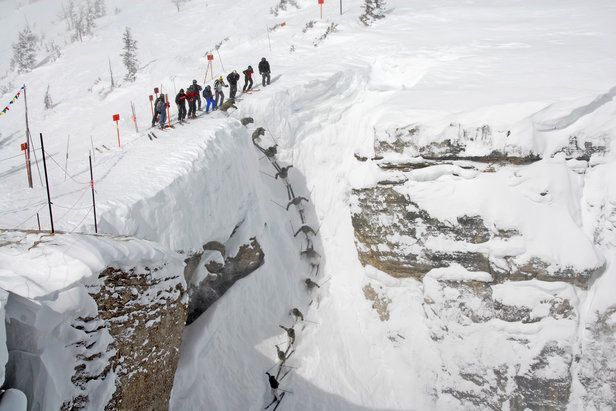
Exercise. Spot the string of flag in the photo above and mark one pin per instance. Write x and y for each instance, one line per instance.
(12, 101)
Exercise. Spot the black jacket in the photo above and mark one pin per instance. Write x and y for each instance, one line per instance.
(180, 99)
(264, 67)
(272, 381)
(233, 78)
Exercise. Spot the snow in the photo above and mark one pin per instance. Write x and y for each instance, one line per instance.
(542, 70)
(13, 400)
(455, 272)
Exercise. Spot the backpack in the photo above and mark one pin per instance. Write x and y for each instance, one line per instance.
(159, 104)
(205, 90)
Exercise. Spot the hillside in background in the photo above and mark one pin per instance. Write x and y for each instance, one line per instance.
(451, 195)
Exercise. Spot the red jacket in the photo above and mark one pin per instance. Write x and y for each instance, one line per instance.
(192, 95)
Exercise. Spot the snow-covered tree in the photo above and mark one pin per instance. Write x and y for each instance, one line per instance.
(373, 10)
(54, 50)
(48, 101)
(69, 14)
(129, 57)
(100, 8)
(24, 51)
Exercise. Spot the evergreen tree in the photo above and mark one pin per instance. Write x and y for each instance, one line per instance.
(48, 101)
(129, 57)
(373, 10)
(24, 51)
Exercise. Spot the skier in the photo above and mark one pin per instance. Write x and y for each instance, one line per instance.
(159, 111)
(281, 355)
(290, 333)
(273, 385)
(233, 78)
(311, 284)
(198, 89)
(296, 201)
(209, 99)
(264, 70)
(283, 172)
(247, 79)
(191, 96)
(297, 313)
(180, 100)
(220, 96)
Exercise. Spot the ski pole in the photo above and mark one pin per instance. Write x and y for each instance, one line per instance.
(313, 322)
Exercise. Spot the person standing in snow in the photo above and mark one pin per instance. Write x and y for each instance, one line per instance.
(233, 78)
(198, 90)
(220, 96)
(273, 385)
(247, 79)
(209, 99)
(191, 96)
(180, 100)
(264, 70)
(159, 111)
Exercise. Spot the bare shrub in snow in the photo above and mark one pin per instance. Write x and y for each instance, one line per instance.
(81, 20)
(24, 51)
(308, 26)
(129, 57)
(54, 50)
(331, 29)
(282, 5)
(373, 10)
(47, 100)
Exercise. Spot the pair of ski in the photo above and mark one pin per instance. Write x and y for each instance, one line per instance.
(104, 146)
(151, 135)
(276, 401)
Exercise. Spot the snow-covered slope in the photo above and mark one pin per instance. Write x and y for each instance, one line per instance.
(536, 74)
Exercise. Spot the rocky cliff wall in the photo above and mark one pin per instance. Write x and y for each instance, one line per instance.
(108, 336)
(503, 260)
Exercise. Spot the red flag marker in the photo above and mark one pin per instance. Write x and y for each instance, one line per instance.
(116, 118)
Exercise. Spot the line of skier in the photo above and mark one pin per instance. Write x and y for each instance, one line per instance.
(213, 98)
(310, 254)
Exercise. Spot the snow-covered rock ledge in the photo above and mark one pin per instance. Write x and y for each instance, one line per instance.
(92, 321)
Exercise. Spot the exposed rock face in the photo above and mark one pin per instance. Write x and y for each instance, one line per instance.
(106, 339)
(143, 318)
(574, 151)
(597, 364)
(473, 276)
(393, 234)
(455, 143)
(220, 272)
(458, 311)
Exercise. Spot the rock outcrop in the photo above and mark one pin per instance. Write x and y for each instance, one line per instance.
(97, 324)
(474, 274)
(142, 318)
(213, 272)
